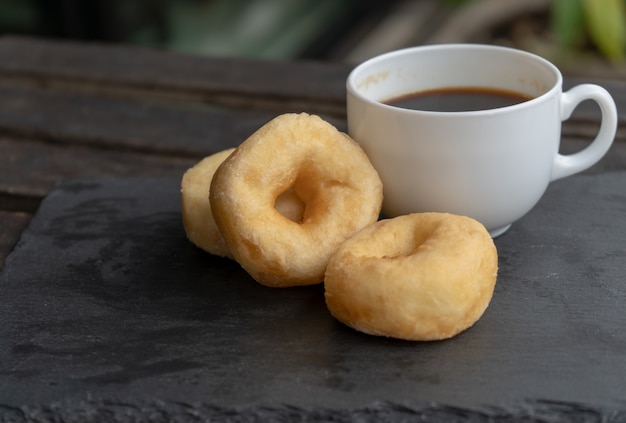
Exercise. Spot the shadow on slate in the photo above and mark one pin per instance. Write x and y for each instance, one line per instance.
(107, 310)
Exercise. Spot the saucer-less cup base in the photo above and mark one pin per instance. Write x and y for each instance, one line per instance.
(499, 231)
(493, 165)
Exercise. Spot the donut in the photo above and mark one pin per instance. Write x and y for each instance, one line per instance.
(421, 277)
(198, 221)
(324, 168)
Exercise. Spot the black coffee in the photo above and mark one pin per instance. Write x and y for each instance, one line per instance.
(458, 99)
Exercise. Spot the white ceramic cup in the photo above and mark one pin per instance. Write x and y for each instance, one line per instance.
(493, 165)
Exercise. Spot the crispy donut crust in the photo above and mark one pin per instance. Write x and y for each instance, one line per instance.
(327, 170)
(424, 276)
(198, 219)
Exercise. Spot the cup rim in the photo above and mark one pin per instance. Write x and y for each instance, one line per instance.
(351, 83)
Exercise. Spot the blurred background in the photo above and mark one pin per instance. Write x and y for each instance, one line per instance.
(584, 35)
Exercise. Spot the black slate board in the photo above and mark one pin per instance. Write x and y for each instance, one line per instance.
(107, 310)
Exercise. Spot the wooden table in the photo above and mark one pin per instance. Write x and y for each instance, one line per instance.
(74, 111)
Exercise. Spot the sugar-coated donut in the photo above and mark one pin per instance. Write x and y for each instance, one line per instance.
(198, 220)
(327, 170)
(424, 276)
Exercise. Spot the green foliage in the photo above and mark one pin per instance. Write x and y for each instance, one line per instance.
(577, 22)
(606, 24)
(602, 21)
(568, 22)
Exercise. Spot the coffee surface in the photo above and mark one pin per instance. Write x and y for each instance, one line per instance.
(458, 99)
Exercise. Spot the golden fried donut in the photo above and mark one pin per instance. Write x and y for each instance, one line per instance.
(423, 276)
(329, 173)
(196, 209)
(198, 221)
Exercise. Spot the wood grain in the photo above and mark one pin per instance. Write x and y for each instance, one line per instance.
(243, 83)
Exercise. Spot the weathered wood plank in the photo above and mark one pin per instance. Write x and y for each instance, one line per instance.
(126, 124)
(31, 167)
(244, 83)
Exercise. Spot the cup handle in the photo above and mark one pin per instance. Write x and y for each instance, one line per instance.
(567, 165)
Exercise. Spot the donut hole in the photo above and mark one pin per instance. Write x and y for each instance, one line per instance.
(396, 242)
(290, 205)
(413, 242)
(322, 195)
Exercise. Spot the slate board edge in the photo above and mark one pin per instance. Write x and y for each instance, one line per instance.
(154, 410)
